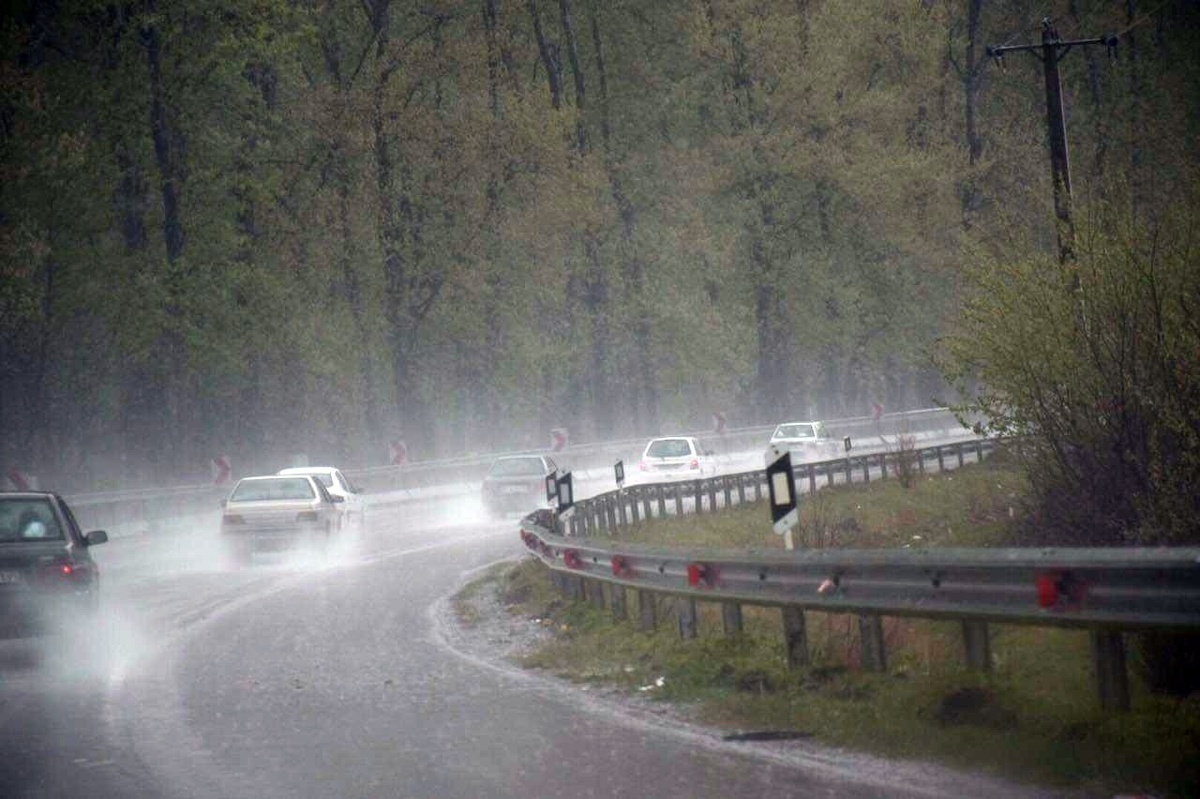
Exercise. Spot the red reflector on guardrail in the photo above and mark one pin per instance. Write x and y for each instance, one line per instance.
(572, 560)
(620, 567)
(1047, 590)
(695, 573)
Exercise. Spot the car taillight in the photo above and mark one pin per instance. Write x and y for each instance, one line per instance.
(59, 572)
(645, 467)
(231, 518)
(307, 516)
(695, 464)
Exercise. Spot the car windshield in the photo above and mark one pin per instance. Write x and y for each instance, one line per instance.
(669, 448)
(274, 488)
(516, 467)
(795, 431)
(28, 520)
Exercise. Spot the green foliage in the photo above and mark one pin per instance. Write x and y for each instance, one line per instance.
(380, 225)
(1096, 363)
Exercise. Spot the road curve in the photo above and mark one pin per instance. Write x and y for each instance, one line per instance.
(311, 678)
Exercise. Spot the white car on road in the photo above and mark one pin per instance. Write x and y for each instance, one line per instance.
(805, 440)
(352, 508)
(675, 458)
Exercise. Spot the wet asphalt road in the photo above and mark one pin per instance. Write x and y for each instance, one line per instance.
(301, 677)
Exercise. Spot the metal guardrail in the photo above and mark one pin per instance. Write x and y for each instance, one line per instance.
(613, 509)
(1105, 591)
(1128, 589)
(579, 457)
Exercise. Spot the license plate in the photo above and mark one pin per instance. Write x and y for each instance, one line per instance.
(7, 577)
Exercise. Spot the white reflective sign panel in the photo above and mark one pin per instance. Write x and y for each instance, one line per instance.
(781, 491)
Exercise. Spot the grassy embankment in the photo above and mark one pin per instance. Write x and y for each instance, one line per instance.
(1035, 717)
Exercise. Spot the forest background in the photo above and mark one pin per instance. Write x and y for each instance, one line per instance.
(257, 228)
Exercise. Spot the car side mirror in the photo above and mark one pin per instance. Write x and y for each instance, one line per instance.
(96, 537)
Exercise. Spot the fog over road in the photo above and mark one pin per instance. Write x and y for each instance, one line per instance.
(302, 677)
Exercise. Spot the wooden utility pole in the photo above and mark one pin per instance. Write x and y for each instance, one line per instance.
(1051, 51)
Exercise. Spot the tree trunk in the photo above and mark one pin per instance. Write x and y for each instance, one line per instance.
(568, 24)
(643, 387)
(972, 74)
(548, 52)
(167, 145)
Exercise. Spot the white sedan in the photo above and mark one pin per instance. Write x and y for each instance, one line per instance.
(352, 506)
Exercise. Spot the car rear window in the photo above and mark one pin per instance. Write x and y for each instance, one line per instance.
(795, 431)
(516, 467)
(670, 448)
(28, 520)
(275, 488)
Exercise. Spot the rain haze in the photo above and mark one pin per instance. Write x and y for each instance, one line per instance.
(565, 283)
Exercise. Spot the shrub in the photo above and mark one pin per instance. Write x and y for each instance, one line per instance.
(1097, 363)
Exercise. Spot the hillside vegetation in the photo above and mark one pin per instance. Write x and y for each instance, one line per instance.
(258, 228)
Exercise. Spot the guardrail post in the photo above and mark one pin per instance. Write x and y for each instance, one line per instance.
(849, 472)
(921, 461)
(595, 593)
(731, 617)
(617, 601)
(678, 491)
(700, 497)
(758, 487)
(979, 450)
(959, 448)
(610, 505)
(977, 644)
(883, 465)
(866, 462)
(812, 479)
(795, 637)
(575, 588)
(741, 481)
(647, 610)
(634, 496)
(874, 653)
(662, 500)
(622, 514)
(1112, 679)
(712, 493)
(688, 621)
(941, 462)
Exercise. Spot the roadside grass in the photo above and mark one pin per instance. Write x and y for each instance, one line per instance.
(975, 506)
(1035, 718)
(463, 602)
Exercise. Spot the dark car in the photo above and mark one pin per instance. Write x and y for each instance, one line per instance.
(278, 512)
(47, 576)
(516, 483)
